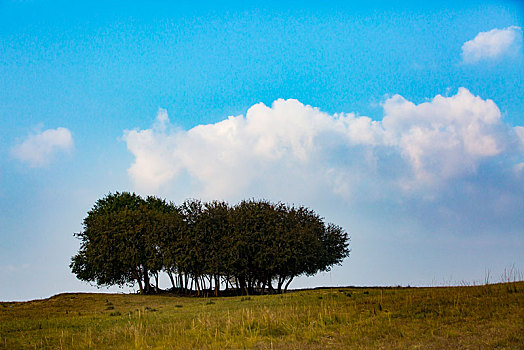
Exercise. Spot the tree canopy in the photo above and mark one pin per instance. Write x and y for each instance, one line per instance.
(254, 246)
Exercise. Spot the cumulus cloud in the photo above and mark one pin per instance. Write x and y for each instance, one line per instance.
(40, 149)
(447, 137)
(290, 146)
(492, 44)
(519, 130)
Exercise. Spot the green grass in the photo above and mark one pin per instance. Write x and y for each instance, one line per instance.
(478, 317)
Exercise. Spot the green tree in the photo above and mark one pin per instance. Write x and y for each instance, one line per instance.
(119, 241)
(162, 225)
(127, 239)
(214, 230)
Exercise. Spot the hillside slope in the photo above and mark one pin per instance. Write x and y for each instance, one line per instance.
(489, 317)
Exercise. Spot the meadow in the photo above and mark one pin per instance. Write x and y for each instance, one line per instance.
(467, 317)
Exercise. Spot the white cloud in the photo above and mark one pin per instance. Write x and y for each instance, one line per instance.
(39, 149)
(519, 130)
(447, 137)
(492, 44)
(291, 147)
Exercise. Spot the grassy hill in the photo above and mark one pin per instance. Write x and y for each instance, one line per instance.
(475, 317)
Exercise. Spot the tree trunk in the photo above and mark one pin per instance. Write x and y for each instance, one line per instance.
(197, 285)
(249, 286)
(139, 280)
(242, 284)
(263, 288)
(170, 274)
(270, 286)
(288, 282)
(229, 282)
(279, 284)
(146, 280)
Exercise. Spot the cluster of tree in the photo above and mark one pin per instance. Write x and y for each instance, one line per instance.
(253, 247)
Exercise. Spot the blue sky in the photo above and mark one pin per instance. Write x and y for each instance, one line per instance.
(400, 122)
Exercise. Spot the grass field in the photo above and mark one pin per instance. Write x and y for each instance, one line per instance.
(473, 317)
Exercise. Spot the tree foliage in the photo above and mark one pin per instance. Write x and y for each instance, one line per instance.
(253, 247)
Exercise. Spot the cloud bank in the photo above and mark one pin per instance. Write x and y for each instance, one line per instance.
(493, 44)
(289, 147)
(40, 149)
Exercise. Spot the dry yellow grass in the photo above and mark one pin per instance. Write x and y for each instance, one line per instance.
(477, 317)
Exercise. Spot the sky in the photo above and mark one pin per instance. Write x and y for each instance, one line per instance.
(402, 122)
